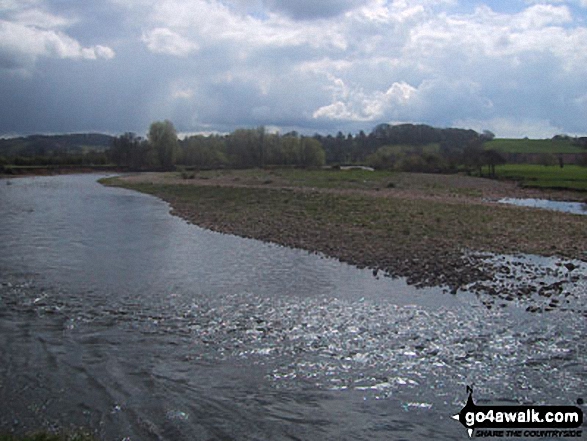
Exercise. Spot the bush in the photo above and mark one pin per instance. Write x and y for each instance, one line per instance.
(385, 158)
(424, 163)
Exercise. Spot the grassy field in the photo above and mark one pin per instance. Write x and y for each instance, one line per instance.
(317, 178)
(532, 146)
(570, 177)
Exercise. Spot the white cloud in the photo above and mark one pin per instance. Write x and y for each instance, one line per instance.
(165, 41)
(38, 18)
(183, 94)
(335, 63)
(28, 32)
(582, 3)
(21, 45)
(212, 22)
(384, 60)
(356, 105)
(541, 15)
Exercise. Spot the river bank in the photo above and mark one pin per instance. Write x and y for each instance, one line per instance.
(13, 171)
(434, 230)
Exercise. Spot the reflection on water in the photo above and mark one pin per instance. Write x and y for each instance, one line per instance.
(116, 316)
(567, 207)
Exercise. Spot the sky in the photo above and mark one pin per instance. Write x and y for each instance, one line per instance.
(515, 67)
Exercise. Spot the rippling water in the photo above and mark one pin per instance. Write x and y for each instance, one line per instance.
(118, 317)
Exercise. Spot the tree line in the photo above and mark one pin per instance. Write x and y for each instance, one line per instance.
(55, 150)
(414, 147)
(243, 148)
(405, 147)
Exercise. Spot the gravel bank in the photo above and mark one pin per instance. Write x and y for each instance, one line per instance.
(436, 233)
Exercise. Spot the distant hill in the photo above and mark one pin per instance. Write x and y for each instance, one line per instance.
(47, 145)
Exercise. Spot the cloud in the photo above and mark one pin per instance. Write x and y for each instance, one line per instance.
(542, 15)
(453, 65)
(326, 65)
(28, 33)
(359, 106)
(21, 45)
(581, 3)
(311, 9)
(180, 93)
(40, 19)
(213, 23)
(165, 41)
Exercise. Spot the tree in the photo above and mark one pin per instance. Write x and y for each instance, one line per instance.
(384, 158)
(546, 159)
(487, 135)
(493, 158)
(261, 135)
(163, 138)
(472, 158)
(244, 148)
(203, 151)
(312, 153)
(132, 151)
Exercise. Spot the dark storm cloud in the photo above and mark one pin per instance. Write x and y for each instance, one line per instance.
(309, 9)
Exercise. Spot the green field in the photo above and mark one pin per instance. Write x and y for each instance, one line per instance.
(571, 177)
(295, 177)
(533, 146)
(336, 178)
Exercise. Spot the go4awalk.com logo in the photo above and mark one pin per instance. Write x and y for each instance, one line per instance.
(520, 421)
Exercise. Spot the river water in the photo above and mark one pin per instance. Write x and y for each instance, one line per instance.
(546, 204)
(117, 317)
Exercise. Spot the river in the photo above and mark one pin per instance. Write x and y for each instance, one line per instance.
(117, 317)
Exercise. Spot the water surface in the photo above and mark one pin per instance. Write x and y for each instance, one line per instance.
(567, 207)
(117, 316)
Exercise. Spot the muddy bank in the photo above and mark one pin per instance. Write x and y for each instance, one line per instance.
(431, 239)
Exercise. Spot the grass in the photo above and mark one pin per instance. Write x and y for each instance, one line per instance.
(533, 146)
(571, 177)
(336, 178)
(316, 178)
